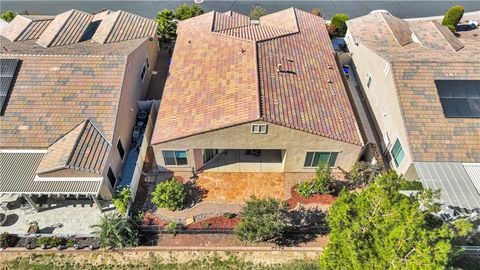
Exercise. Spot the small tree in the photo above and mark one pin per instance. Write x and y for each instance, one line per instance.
(117, 232)
(185, 11)
(167, 28)
(169, 194)
(338, 20)
(363, 173)
(121, 198)
(380, 228)
(452, 17)
(262, 220)
(256, 12)
(7, 15)
(323, 180)
(316, 12)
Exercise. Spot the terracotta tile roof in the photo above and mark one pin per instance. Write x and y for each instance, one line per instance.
(399, 28)
(435, 56)
(53, 94)
(229, 20)
(83, 149)
(26, 27)
(233, 79)
(67, 28)
(122, 25)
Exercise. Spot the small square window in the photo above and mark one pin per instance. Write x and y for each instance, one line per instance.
(259, 128)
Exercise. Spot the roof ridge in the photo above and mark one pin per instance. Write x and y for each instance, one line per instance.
(60, 29)
(383, 15)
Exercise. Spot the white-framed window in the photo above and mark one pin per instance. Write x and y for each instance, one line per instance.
(259, 128)
(314, 159)
(175, 157)
(145, 68)
(386, 70)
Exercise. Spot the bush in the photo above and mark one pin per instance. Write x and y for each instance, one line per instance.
(452, 17)
(121, 199)
(262, 220)
(7, 15)
(257, 12)
(306, 189)
(8, 240)
(167, 28)
(229, 215)
(410, 185)
(185, 11)
(117, 232)
(172, 228)
(169, 194)
(316, 12)
(324, 180)
(338, 20)
(364, 173)
(52, 241)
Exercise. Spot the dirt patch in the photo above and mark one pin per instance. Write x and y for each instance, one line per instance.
(219, 223)
(295, 199)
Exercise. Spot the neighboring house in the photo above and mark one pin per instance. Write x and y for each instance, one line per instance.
(423, 86)
(247, 96)
(69, 90)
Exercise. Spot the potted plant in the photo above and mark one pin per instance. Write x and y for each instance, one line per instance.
(33, 227)
(44, 242)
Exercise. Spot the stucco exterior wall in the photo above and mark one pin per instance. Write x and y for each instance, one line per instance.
(134, 89)
(382, 97)
(295, 143)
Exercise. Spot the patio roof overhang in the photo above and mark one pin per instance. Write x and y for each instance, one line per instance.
(18, 176)
(459, 183)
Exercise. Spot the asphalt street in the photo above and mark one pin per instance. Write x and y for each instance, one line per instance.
(355, 8)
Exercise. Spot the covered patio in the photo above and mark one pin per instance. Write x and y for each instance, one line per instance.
(245, 160)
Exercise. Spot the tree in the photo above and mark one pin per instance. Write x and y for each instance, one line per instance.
(169, 194)
(379, 228)
(338, 20)
(452, 17)
(117, 232)
(262, 220)
(121, 198)
(7, 15)
(363, 173)
(316, 12)
(167, 28)
(256, 12)
(323, 180)
(184, 11)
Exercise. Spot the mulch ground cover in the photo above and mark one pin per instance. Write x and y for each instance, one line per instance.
(219, 222)
(316, 198)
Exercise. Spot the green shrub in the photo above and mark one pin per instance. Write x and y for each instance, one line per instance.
(70, 243)
(410, 185)
(52, 241)
(452, 17)
(363, 173)
(256, 12)
(185, 11)
(117, 232)
(262, 220)
(8, 240)
(172, 228)
(7, 15)
(324, 180)
(229, 215)
(338, 20)
(121, 198)
(169, 194)
(167, 28)
(306, 189)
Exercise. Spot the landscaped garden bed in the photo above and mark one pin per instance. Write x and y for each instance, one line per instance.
(296, 199)
(215, 223)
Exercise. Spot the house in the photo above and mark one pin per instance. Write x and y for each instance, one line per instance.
(423, 86)
(69, 90)
(255, 96)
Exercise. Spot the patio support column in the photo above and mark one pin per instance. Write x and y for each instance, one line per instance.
(97, 202)
(31, 202)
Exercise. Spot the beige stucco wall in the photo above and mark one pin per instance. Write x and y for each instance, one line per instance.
(295, 143)
(382, 96)
(134, 89)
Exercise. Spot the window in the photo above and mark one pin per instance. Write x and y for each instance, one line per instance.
(145, 68)
(369, 81)
(259, 128)
(175, 158)
(8, 68)
(111, 177)
(397, 152)
(120, 149)
(314, 159)
(208, 154)
(459, 98)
